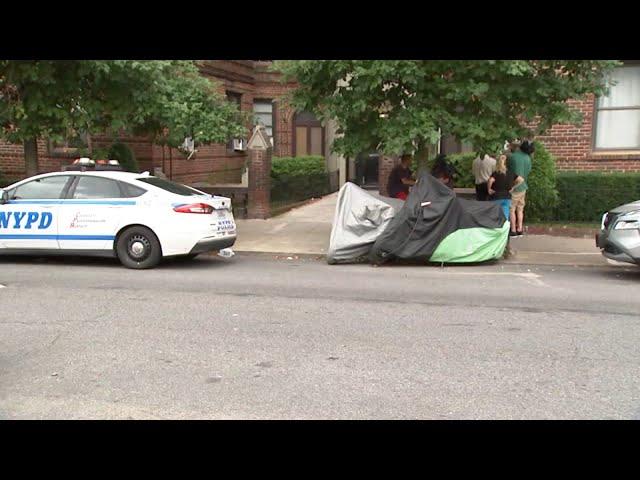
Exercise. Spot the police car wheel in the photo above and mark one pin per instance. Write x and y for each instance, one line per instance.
(139, 248)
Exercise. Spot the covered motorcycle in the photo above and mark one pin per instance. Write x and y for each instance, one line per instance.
(359, 219)
(435, 225)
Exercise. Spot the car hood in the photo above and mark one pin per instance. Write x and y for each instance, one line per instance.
(626, 208)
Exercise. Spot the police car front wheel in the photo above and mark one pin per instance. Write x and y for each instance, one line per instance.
(138, 247)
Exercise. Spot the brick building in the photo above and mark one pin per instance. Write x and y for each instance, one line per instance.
(249, 83)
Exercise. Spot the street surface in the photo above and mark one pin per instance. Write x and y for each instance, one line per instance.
(259, 337)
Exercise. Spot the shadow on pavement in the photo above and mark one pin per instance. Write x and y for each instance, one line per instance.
(182, 263)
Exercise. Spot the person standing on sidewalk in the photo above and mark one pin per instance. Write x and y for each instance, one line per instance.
(501, 184)
(400, 179)
(520, 164)
(482, 167)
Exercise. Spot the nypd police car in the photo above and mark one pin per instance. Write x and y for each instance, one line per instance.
(135, 217)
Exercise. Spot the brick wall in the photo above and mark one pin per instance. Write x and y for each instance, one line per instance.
(259, 205)
(573, 145)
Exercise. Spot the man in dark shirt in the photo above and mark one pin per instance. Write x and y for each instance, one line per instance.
(400, 179)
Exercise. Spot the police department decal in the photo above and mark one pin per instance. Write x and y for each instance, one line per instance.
(83, 220)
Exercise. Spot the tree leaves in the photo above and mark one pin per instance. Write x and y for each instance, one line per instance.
(484, 102)
(54, 98)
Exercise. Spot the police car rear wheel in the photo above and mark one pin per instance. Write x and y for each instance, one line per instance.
(139, 248)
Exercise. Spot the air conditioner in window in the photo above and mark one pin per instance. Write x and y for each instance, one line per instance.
(239, 145)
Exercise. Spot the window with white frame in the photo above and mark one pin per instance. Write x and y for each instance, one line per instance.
(263, 115)
(618, 114)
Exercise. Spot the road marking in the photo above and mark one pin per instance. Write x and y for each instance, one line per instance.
(562, 253)
(531, 277)
(277, 228)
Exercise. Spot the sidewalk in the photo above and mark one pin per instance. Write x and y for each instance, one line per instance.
(306, 230)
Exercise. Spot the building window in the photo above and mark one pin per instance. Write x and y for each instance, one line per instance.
(618, 114)
(309, 135)
(236, 98)
(72, 146)
(263, 113)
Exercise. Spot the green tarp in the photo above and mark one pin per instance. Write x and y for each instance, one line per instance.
(471, 245)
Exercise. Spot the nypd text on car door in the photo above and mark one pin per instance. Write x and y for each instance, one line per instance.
(29, 219)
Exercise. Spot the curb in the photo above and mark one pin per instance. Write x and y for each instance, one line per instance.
(562, 231)
(513, 260)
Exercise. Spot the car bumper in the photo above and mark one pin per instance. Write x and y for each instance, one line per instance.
(620, 245)
(213, 244)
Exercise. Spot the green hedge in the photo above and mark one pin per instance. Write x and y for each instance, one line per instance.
(297, 165)
(585, 196)
(298, 178)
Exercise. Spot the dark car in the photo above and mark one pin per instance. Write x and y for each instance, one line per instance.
(619, 237)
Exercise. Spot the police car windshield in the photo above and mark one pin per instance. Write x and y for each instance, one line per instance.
(169, 186)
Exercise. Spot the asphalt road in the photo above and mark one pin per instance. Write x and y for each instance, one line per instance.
(262, 338)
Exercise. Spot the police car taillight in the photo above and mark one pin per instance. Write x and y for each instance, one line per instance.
(194, 208)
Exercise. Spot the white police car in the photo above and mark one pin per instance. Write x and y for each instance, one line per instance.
(135, 217)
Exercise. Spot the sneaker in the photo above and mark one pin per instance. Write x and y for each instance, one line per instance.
(519, 234)
(513, 234)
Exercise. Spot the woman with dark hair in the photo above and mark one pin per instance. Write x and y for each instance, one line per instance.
(443, 170)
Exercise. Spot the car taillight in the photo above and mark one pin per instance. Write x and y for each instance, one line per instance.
(194, 208)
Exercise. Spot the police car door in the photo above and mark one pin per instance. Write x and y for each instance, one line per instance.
(30, 219)
(90, 215)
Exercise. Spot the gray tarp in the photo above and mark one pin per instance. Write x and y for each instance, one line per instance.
(359, 219)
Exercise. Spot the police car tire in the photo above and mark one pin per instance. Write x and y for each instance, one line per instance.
(141, 236)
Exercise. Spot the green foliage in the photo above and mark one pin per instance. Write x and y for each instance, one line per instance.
(308, 165)
(123, 153)
(394, 106)
(542, 195)
(298, 178)
(462, 162)
(586, 196)
(169, 100)
(98, 154)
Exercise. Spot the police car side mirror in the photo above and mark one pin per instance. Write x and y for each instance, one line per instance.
(4, 197)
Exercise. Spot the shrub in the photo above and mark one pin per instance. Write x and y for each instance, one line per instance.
(298, 178)
(462, 163)
(297, 165)
(585, 196)
(542, 195)
(121, 152)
